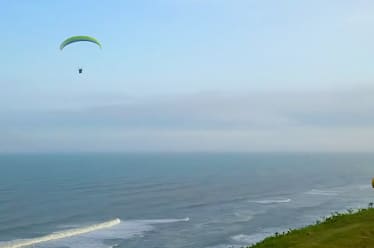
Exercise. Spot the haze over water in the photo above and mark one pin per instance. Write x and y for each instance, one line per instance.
(175, 200)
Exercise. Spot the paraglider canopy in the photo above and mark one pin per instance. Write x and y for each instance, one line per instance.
(79, 38)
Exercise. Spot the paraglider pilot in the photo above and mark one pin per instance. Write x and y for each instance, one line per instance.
(79, 38)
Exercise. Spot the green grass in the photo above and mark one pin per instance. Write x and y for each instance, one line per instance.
(354, 229)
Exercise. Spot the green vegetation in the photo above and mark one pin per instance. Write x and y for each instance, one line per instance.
(353, 229)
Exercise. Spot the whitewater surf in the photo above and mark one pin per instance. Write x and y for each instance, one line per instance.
(60, 235)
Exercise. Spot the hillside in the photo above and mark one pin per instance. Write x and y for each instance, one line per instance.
(354, 229)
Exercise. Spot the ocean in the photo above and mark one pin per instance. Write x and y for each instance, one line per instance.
(173, 200)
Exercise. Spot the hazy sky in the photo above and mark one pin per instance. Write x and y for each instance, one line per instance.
(187, 75)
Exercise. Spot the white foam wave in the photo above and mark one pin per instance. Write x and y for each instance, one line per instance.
(124, 230)
(162, 221)
(365, 187)
(322, 192)
(61, 235)
(226, 246)
(244, 216)
(271, 201)
(248, 239)
(256, 237)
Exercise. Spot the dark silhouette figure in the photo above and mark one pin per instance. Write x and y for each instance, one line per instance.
(80, 70)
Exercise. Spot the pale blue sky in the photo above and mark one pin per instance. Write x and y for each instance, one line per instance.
(189, 45)
(157, 52)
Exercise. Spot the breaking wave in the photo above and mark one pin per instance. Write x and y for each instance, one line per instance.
(163, 221)
(60, 235)
(271, 201)
(96, 236)
(254, 238)
(322, 192)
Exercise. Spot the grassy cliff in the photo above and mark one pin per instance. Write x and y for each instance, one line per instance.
(354, 229)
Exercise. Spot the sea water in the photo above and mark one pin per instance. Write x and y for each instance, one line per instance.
(172, 200)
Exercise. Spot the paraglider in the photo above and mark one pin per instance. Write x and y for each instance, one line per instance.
(79, 38)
